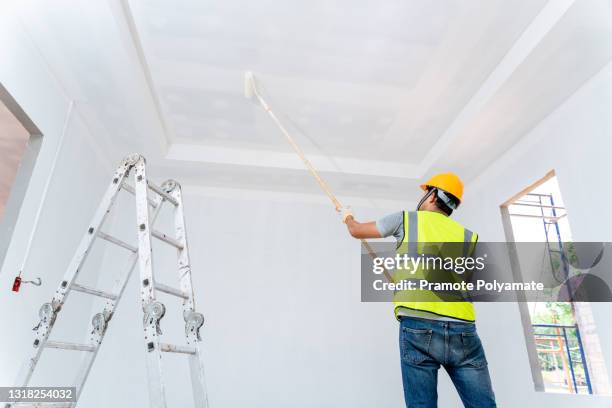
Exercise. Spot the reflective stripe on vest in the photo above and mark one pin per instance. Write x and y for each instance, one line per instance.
(420, 228)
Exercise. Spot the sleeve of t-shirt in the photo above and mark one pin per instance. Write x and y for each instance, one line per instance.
(392, 224)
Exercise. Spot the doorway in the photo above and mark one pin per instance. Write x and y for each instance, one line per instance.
(20, 142)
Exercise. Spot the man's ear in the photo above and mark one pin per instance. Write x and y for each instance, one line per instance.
(432, 198)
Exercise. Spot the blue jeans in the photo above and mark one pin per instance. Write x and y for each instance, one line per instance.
(425, 345)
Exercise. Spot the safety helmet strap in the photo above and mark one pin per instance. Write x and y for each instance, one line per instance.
(441, 194)
(425, 197)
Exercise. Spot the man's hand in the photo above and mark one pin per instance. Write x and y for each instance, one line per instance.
(357, 229)
(345, 213)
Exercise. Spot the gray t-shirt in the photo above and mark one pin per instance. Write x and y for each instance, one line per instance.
(393, 224)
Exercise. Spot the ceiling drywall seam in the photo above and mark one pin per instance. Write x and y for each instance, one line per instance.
(285, 160)
(103, 154)
(546, 19)
(433, 80)
(291, 197)
(498, 77)
(129, 32)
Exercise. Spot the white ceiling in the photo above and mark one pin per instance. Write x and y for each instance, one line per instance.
(379, 94)
(365, 79)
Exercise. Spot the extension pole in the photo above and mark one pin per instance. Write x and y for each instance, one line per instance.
(313, 171)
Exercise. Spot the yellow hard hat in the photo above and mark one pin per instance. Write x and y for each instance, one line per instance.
(448, 182)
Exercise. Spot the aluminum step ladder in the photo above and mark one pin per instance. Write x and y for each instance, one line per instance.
(148, 207)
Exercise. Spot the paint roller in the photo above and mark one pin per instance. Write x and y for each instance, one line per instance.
(250, 91)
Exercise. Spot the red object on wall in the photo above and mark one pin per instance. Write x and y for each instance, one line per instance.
(17, 284)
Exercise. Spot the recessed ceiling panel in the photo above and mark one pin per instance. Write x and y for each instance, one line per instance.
(363, 79)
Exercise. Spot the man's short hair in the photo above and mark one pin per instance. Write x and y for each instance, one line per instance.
(445, 201)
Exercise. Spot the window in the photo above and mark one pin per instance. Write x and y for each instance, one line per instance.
(563, 346)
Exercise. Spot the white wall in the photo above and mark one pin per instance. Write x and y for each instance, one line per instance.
(77, 184)
(279, 284)
(285, 326)
(574, 141)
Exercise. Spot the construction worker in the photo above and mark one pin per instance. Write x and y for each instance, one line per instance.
(434, 333)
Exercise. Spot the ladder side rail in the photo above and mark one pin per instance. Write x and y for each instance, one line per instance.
(546, 225)
(198, 379)
(108, 311)
(131, 190)
(42, 405)
(153, 310)
(564, 259)
(184, 262)
(43, 330)
(196, 361)
(96, 339)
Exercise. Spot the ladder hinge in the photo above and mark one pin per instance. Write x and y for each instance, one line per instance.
(193, 322)
(48, 314)
(99, 323)
(153, 313)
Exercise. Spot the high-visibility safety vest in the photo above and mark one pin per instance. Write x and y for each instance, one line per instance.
(421, 228)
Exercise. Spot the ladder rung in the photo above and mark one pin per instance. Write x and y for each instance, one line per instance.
(167, 239)
(131, 190)
(553, 219)
(173, 348)
(92, 291)
(537, 205)
(64, 345)
(170, 290)
(117, 241)
(41, 404)
(162, 193)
